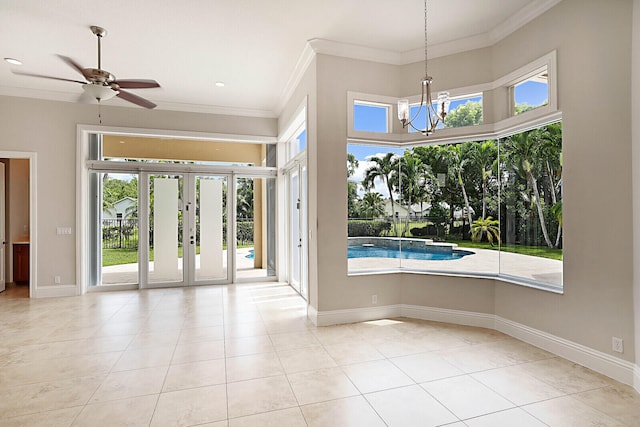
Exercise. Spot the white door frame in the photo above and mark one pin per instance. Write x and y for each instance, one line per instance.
(82, 178)
(33, 230)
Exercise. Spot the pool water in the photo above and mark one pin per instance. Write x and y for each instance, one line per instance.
(407, 253)
(250, 255)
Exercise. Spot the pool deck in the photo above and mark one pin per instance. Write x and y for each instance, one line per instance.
(483, 262)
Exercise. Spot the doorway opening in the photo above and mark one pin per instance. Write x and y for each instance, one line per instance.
(17, 234)
(166, 212)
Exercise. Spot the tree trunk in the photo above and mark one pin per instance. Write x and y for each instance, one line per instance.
(466, 201)
(484, 197)
(393, 209)
(536, 193)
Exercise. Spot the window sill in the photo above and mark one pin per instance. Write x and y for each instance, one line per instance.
(542, 286)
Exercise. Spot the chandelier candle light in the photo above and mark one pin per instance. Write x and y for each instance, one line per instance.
(434, 114)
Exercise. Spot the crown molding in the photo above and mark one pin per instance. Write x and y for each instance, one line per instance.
(520, 19)
(75, 98)
(478, 41)
(346, 50)
(303, 63)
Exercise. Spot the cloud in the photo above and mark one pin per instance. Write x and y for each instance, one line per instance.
(358, 176)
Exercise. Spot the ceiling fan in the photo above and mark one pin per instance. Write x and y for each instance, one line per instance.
(101, 84)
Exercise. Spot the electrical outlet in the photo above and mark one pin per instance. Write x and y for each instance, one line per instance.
(56, 280)
(617, 345)
(374, 299)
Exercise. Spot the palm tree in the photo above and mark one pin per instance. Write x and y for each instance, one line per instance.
(484, 156)
(383, 169)
(371, 205)
(457, 161)
(551, 151)
(485, 226)
(520, 154)
(412, 179)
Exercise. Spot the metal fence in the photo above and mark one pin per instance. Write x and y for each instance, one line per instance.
(123, 233)
(120, 233)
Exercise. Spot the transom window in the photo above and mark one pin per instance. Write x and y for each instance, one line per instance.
(530, 93)
(371, 117)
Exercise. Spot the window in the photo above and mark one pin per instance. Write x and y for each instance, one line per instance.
(298, 143)
(530, 93)
(121, 148)
(491, 207)
(370, 117)
(463, 111)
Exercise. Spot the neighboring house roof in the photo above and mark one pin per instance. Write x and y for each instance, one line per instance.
(119, 207)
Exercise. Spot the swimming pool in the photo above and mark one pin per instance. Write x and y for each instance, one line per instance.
(373, 251)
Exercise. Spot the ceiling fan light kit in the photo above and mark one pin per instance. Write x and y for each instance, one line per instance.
(99, 92)
(101, 84)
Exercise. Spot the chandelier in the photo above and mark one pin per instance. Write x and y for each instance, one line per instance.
(435, 112)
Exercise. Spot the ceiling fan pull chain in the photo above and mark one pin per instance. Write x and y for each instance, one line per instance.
(99, 111)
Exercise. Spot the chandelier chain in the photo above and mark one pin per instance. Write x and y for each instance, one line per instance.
(426, 70)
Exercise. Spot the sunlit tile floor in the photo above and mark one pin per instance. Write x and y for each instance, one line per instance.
(246, 355)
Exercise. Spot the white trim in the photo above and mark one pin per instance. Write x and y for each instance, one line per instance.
(351, 315)
(312, 314)
(72, 97)
(613, 367)
(520, 19)
(82, 163)
(459, 317)
(56, 291)
(304, 62)
(182, 134)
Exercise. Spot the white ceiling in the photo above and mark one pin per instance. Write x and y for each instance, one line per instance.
(251, 45)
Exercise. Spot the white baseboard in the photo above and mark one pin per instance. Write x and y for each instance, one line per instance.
(613, 367)
(55, 291)
(459, 317)
(336, 317)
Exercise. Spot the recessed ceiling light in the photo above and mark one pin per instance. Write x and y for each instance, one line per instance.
(219, 84)
(13, 61)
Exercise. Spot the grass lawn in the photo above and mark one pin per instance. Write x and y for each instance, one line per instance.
(129, 256)
(539, 251)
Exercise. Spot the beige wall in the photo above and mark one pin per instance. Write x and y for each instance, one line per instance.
(49, 129)
(635, 134)
(592, 39)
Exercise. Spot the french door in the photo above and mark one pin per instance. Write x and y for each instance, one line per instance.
(297, 216)
(187, 232)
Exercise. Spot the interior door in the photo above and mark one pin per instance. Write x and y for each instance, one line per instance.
(2, 230)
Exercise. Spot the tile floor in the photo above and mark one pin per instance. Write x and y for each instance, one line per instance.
(245, 355)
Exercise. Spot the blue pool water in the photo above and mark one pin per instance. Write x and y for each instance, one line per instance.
(250, 254)
(407, 253)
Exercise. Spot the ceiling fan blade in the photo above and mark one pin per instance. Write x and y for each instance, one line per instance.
(46, 77)
(137, 83)
(128, 96)
(73, 64)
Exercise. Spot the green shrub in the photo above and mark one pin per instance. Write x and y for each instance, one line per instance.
(363, 228)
